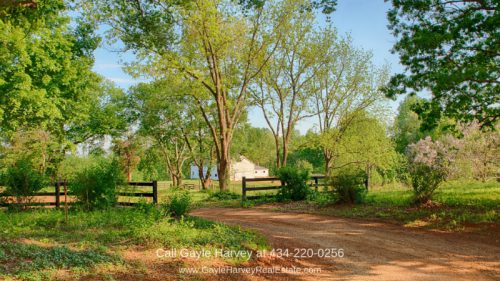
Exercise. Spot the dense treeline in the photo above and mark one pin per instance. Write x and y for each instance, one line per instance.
(209, 63)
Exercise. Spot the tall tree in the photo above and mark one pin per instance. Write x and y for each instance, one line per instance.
(349, 84)
(450, 48)
(285, 86)
(46, 76)
(200, 144)
(162, 116)
(224, 46)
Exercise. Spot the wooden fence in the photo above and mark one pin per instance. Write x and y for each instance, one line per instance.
(153, 194)
(57, 195)
(245, 188)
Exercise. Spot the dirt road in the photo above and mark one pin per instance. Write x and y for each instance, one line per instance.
(372, 250)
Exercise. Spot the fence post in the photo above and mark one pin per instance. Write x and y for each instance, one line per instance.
(316, 183)
(58, 193)
(155, 192)
(244, 189)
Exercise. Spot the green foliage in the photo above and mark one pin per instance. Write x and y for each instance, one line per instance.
(303, 149)
(321, 198)
(348, 186)
(178, 204)
(256, 144)
(85, 241)
(39, 147)
(46, 76)
(95, 187)
(365, 146)
(23, 180)
(27, 258)
(295, 187)
(304, 165)
(449, 48)
(224, 195)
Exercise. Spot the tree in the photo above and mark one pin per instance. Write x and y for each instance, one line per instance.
(224, 47)
(365, 145)
(256, 144)
(407, 125)
(451, 49)
(200, 145)
(46, 76)
(348, 85)
(128, 151)
(162, 116)
(284, 88)
(475, 151)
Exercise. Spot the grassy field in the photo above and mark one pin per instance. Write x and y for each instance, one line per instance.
(39, 245)
(458, 205)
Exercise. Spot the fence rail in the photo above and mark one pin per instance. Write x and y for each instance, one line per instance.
(245, 188)
(57, 195)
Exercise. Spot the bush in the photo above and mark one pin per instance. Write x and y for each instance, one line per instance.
(178, 204)
(348, 186)
(224, 195)
(427, 168)
(95, 186)
(320, 198)
(22, 180)
(295, 181)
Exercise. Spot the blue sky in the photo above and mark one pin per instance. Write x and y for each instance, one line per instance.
(365, 20)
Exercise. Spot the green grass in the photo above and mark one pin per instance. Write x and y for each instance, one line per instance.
(458, 205)
(35, 244)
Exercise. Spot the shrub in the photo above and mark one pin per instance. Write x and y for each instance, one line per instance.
(348, 186)
(22, 180)
(427, 167)
(320, 198)
(95, 186)
(224, 195)
(295, 181)
(178, 204)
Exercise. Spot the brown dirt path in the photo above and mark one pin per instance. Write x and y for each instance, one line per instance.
(373, 250)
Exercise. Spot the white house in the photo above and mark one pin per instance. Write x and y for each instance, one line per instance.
(237, 170)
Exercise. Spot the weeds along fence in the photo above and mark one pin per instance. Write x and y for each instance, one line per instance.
(153, 194)
(31, 201)
(316, 182)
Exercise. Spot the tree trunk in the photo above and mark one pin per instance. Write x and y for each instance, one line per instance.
(223, 173)
(278, 156)
(328, 161)
(129, 174)
(285, 154)
(179, 179)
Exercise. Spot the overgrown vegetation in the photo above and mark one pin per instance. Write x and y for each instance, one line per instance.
(457, 205)
(22, 180)
(95, 186)
(348, 186)
(178, 204)
(295, 184)
(35, 244)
